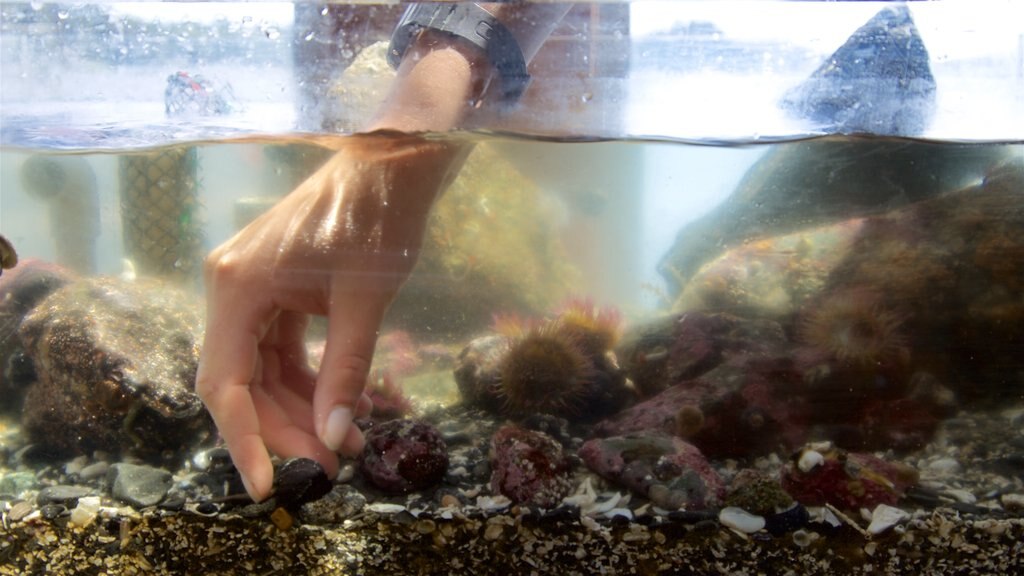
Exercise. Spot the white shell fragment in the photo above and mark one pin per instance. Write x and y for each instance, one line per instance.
(810, 459)
(86, 511)
(385, 508)
(492, 503)
(741, 520)
(884, 517)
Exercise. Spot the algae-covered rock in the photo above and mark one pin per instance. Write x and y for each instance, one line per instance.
(491, 246)
(800, 185)
(116, 364)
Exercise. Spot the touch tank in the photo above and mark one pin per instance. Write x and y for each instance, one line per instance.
(736, 287)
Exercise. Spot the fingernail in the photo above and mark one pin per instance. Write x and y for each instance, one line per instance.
(336, 428)
(248, 488)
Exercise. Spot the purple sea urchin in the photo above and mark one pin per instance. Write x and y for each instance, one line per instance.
(545, 371)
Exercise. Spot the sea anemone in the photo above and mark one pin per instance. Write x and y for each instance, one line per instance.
(855, 328)
(545, 371)
(597, 329)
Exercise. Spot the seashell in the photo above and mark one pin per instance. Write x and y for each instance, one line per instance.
(385, 508)
(741, 520)
(884, 517)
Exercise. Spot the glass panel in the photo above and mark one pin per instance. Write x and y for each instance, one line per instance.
(736, 286)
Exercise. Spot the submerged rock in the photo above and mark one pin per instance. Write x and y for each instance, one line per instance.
(403, 456)
(823, 474)
(116, 366)
(670, 472)
(734, 390)
(529, 467)
(800, 185)
(21, 289)
(140, 486)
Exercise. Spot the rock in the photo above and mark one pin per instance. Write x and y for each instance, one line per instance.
(139, 486)
(60, 494)
(669, 471)
(757, 493)
(870, 321)
(20, 290)
(17, 483)
(529, 467)
(803, 185)
(848, 480)
(743, 395)
(116, 363)
(403, 456)
(298, 481)
(341, 503)
(878, 82)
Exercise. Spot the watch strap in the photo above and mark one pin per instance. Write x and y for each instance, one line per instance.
(473, 24)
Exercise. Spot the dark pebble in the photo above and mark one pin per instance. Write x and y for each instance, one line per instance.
(61, 494)
(208, 508)
(692, 517)
(789, 520)
(53, 511)
(173, 503)
(300, 480)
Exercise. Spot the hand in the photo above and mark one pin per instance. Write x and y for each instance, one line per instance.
(340, 245)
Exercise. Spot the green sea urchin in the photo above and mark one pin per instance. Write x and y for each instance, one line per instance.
(545, 371)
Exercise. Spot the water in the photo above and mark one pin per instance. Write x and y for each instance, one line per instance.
(793, 307)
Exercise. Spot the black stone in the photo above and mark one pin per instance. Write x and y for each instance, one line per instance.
(789, 520)
(300, 480)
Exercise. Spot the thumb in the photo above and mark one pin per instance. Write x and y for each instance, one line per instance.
(352, 325)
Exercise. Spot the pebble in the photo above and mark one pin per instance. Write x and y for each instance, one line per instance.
(944, 467)
(1013, 502)
(741, 520)
(139, 486)
(61, 494)
(300, 480)
(18, 483)
(884, 517)
(94, 471)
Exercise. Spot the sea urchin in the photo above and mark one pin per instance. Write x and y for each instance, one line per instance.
(545, 371)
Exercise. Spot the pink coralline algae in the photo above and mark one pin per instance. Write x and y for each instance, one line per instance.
(820, 475)
(403, 456)
(671, 472)
(529, 467)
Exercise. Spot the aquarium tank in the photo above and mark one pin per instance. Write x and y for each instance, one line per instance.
(688, 287)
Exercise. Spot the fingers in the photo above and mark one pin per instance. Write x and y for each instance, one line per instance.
(286, 435)
(355, 317)
(226, 368)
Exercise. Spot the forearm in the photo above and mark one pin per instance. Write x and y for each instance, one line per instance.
(441, 78)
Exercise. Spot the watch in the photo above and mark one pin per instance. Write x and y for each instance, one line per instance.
(473, 24)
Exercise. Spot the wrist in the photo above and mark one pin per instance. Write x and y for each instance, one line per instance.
(436, 86)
